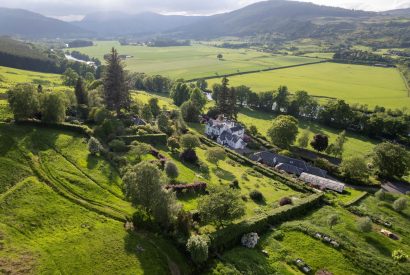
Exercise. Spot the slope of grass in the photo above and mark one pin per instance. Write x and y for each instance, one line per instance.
(193, 61)
(10, 77)
(43, 232)
(353, 83)
(46, 234)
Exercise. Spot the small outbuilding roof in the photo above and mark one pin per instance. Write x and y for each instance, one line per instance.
(322, 182)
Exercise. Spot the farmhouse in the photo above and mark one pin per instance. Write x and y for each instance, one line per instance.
(227, 133)
(287, 164)
(322, 183)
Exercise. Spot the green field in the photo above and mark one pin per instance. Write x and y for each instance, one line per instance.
(10, 77)
(192, 61)
(65, 220)
(355, 144)
(353, 83)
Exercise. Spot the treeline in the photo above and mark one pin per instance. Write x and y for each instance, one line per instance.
(168, 43)
(361, 57)
(80, 43)
(375, 123)
(84, 57)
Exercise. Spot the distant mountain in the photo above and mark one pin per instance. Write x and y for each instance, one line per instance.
(117, 23)
(18, 22)
(399, 12)
(276, 16)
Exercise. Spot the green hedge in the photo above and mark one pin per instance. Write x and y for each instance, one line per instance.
(80, 129)
(154, 139)
(230, 236)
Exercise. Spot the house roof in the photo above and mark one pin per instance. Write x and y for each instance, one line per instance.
(236, 128)
(138, 121)
(231, 137)
(316, 171)
(289, 168)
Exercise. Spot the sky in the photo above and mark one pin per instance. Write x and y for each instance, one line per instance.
(76, 9)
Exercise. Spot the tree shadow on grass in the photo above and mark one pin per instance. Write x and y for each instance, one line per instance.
(150, 258)
(223, 174)
(378, 245)
(92, 161)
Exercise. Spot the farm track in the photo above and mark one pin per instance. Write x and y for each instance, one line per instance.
(256, 71)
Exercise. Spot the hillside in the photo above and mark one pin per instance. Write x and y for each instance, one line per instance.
(117, 23)
(19, 22)
(286, 17)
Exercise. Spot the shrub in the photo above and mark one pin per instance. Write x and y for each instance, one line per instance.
(365, 224)
(215, 154)
(256, 196)
(118, 146)
(284, 201)
(94, 146)
(234, 184)
(278, 235)
(203, 167)
(380, 195)
(171, 170)
(198, 246)
(332, 220)
(399, 255)
(173, 144)
(189, 155)
(326, 165)
(189, 141)
(320, 142)
(400, 204)
(250, 240)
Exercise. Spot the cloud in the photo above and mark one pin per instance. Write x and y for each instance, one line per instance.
(68, 9)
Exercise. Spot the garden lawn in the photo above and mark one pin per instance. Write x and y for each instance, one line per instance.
(163, 101)
(355, 144)
(194, 61)
(353, 83)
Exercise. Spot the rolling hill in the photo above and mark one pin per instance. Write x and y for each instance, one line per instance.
(117, 23)
(288, 18)
(19, 22)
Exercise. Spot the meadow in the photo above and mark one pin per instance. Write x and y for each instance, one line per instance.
(188, 62)
(63, 210)
(354, 145)
(354, 83)
(10, 77)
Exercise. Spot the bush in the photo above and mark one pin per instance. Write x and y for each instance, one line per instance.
(118, 146)
(399, 255)
(234, 184)
(278, 235)
(198, 247)
(250, 240)
(94, 146)
(171, 170)
(203, 168)
(380, 195)
(189, 155)
(189, 141)
(284, 201)
(400, 204)
(256, 195)
(365, 224)
(326, 165)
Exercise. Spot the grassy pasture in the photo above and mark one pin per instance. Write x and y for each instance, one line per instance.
(10, 77)
(42, 232)
(355, 144)
(353, 83)
(194, 61)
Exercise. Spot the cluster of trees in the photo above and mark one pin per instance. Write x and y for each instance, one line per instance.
(80, 43)
(163, 42)
(191, 99)
(84, 57)
(390, 124)
(359, 56)
(151, 83)
(28, 101)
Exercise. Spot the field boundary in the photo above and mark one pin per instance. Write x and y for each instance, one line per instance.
(256, 71)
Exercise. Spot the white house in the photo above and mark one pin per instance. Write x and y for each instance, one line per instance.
(227, 133)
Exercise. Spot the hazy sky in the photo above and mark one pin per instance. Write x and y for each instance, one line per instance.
(74, 9)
